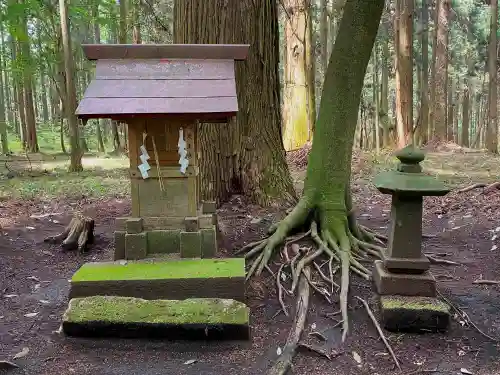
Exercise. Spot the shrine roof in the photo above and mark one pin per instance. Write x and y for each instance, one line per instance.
(177, 80)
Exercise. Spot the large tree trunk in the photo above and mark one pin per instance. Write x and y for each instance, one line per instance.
(297, 116)
(405, 72)
(323, 35)
(450, 106)
(441, 71)
(492, 126)
(326, 197)
(247, 155)
(29, 106)
(432, 89)
(384, 89)
(424, 92)
(70, 107)
(3, 106)
(97, 40)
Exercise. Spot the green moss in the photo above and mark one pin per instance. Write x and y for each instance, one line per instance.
(414, 303)
(174, 269)
(135, 310)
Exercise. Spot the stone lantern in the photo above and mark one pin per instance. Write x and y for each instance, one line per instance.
(402, 278)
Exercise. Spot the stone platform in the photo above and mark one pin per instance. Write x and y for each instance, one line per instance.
(414, 314)
(159, 279)
(125, 317)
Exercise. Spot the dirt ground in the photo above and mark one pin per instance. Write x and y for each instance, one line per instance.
(34, 279)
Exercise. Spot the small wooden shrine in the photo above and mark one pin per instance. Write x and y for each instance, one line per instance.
(161, 93)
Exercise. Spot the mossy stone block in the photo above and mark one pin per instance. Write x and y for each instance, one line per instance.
(208, 242)
(191, 244)
(164, 241)
(136, 245)
(119, 245)
(191, 224)
(121, 223)
(414, 314)
(208, 207)
(197, 318)
(135, 225)
(206, 221)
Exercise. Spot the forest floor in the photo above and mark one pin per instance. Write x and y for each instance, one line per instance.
(34, 279)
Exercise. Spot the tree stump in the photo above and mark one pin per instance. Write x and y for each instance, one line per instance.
(77, 235)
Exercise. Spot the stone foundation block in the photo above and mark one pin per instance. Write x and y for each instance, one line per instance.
(134, 225)
(164, 241)
(208, 207)
(414, 314)
(387, 283)
(136, 246)
(119, 245)
(206, 221)
(121, 223)
(191, 224)
(190, 244)
(208, 242)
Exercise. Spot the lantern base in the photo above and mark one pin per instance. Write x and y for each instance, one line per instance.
(389, 283)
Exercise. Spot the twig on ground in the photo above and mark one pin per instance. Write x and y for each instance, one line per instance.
(318, 350)
(318, 335)
(380, 332)
(280, 290)
(284, 361)
(487, 187)
(465, 316)
(435, 260)
(486, 282)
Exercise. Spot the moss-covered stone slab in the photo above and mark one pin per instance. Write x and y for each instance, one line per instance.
(191, 244)
(108, 316)
(173, 279)
(208, 242)
(414, 314)
(136, 246)
(119, 245)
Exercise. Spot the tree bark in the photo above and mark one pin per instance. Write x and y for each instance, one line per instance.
(245, 156)
(432, 94)
(297, 102)
(28, 73)
(97, 40)
(3, 107)
(323, 30)
(450, 106)
(70, 107)
(464, 141)
(384, 90)
(405, 72)
(441, 72)
(424, 92)
(492, 126)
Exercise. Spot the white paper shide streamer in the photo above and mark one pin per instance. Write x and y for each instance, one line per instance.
(144, 167)
(181, 145)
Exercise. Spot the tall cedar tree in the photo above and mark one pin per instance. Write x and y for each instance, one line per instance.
(247, 155)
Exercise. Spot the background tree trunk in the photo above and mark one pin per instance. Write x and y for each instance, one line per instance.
(296, 105)
(441, 71)
(70, 107)
(424, 92)
(247, 155)
(492, 126)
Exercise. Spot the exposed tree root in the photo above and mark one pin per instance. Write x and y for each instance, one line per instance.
(339, 240)
(77, 235)
(487, 187)
(285, 359)
(486, 282)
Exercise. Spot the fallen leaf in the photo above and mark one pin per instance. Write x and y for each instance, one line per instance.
(255, 220)
(493, 248)
(1, 317)
(10, 296)
(497, 229)
(31, 315)
(494, 237)
(55, 221)
(22, 353)
(439, 216)
(467, 216)
(461, 353)
(36, 287)
(283, 276)
(123, 262)
(34, 278)
(44, 302)
(46, 252)
(190, 361)
(30, 228)
(278, 351)
(356, 357)
(465, 371)
(6, 365)
(59, 330)
(313, 326)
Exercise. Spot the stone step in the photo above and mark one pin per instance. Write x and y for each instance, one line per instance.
(126, 317)
(151, 279)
